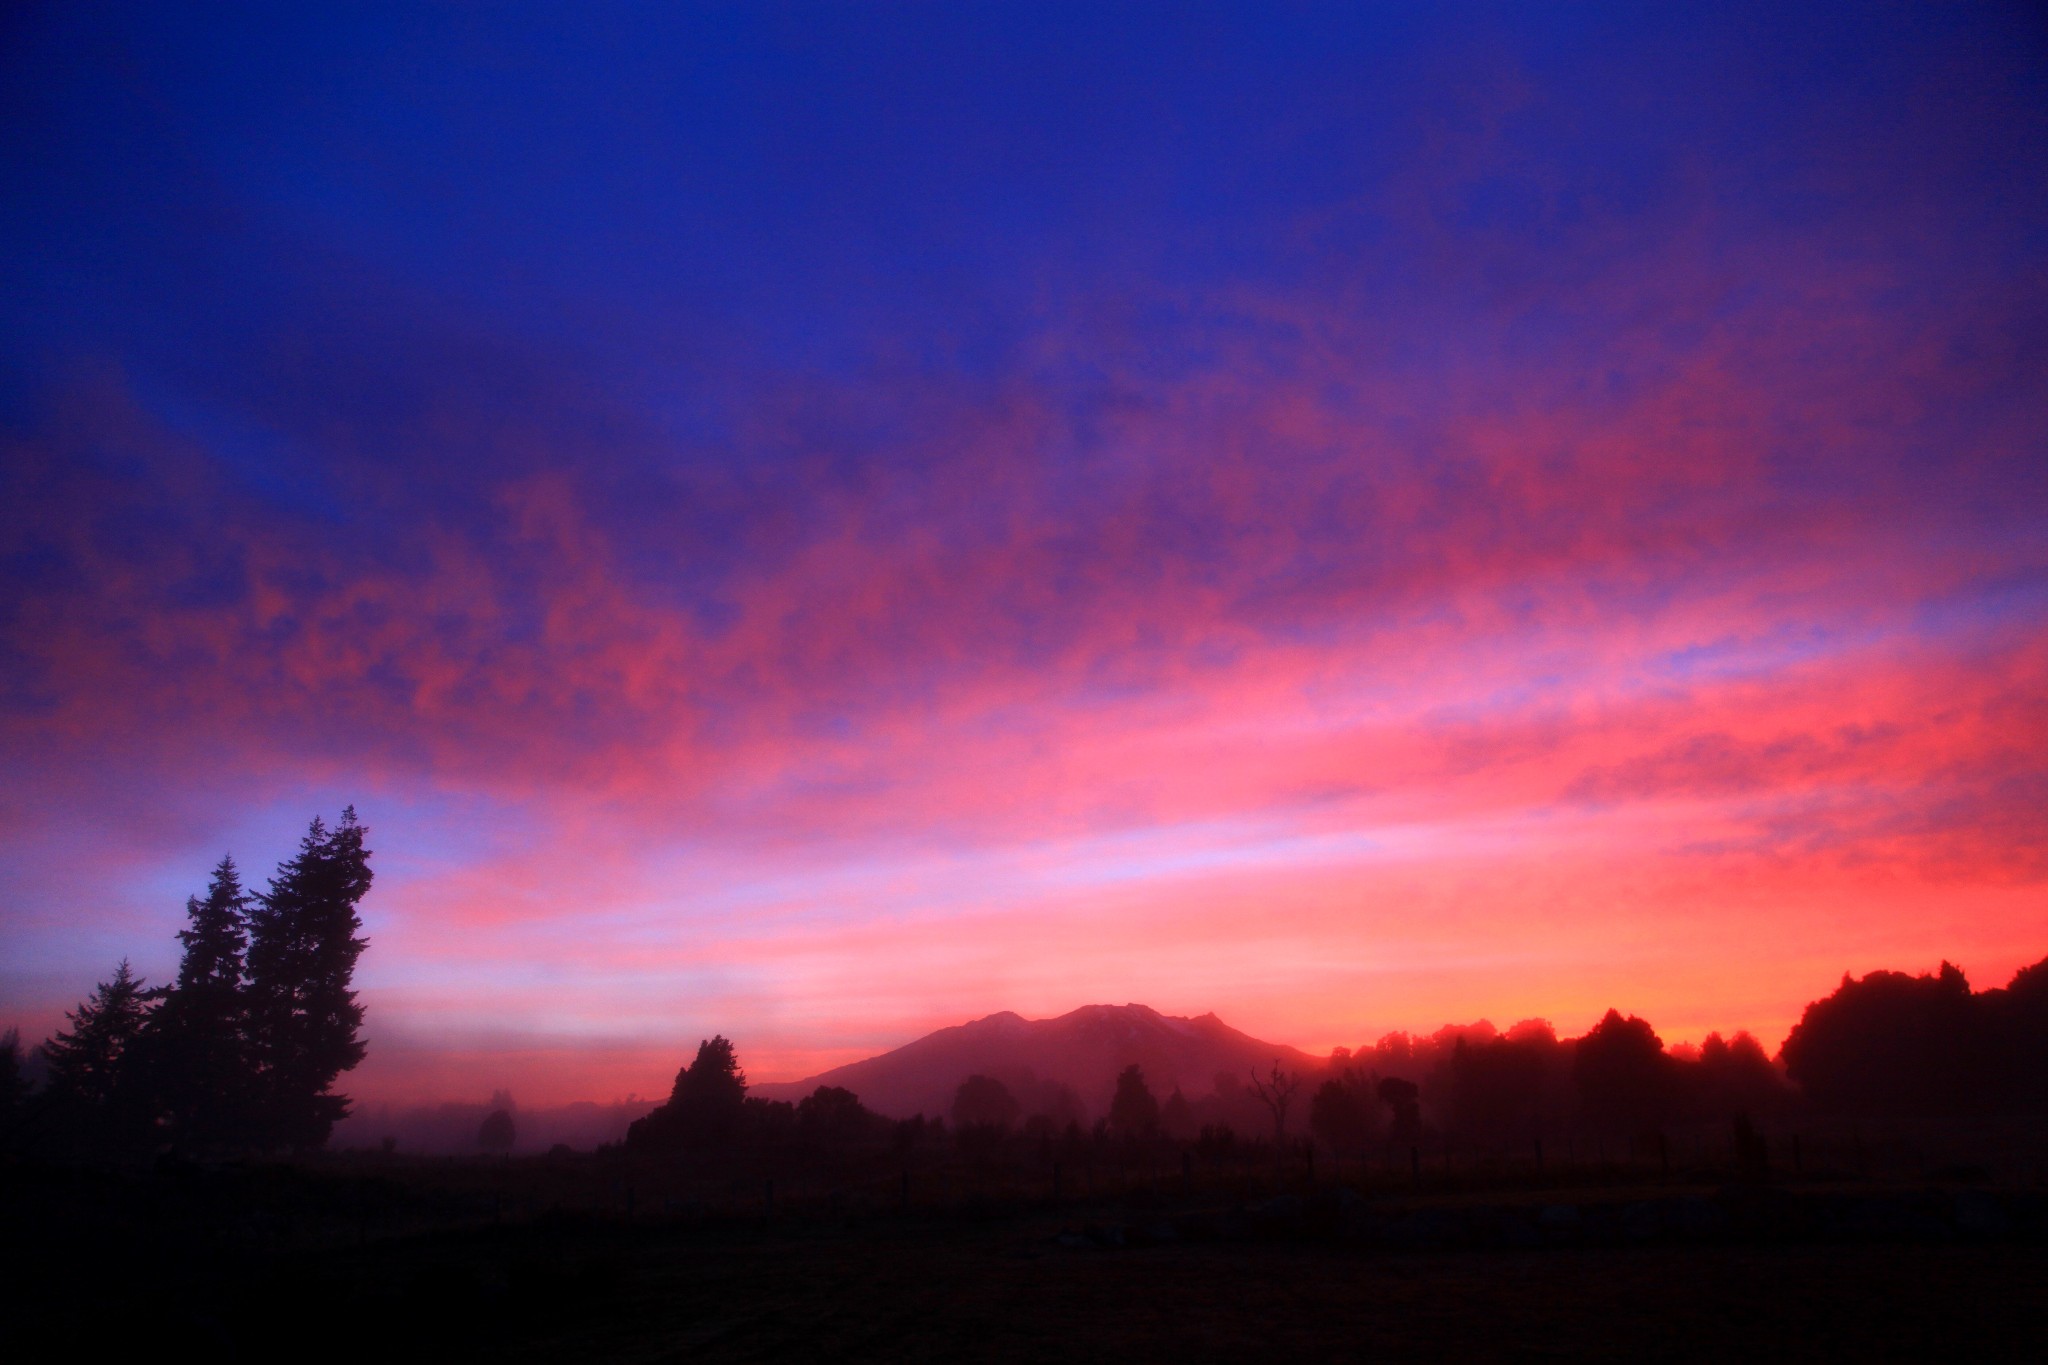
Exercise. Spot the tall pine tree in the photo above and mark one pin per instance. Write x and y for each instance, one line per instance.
(95, 1095)
(198, 1048)
(303, 1017)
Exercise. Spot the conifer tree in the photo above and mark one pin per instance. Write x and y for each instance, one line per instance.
(704, 1108)
(198, 1046)
(1133, 1113)
(92, 1086)
(303, 1016)
(13, 1088)
(709, 1094)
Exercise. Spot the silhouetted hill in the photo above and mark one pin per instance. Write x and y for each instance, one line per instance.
(1083, 1050)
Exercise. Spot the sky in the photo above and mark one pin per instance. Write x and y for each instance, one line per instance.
(820, 523)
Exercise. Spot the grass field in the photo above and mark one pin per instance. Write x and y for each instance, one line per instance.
(273, 1264)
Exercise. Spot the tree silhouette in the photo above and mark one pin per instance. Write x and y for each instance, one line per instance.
(85, 1060)
(2020, 1016)
(1216, 1143)
(1276, 1091)
(984, 1102)
(1623, 1076)
(1177, 1116)
(95, 1093)
(13, 1085)
(13, 1089)
(1496, 1085)
(1894, 1044)
(496, 1132)
(1734, 1076)
(1404, 1099)
(1340, 1113)
(197, 1046)
(1056, 1101)
(765, 1125)
(1133, 1113)
(704, 1108)
(302, 955)
(710, 1093)
(832, 1117)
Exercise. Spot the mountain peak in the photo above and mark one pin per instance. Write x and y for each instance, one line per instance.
(1078, 1053)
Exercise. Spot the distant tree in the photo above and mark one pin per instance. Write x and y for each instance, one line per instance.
(1056, 1101)
(766, 1125)
(1497, 1084)
(198, 1044)
(497, 1131)
(2020, 1016)
(832, 1117)
(984, 1102)
(1404, 1099)
(1276, 1091)
(1217, 1143)
(708, 1108)
(1340, 1113)
(1394, 1052)
(1623, 1076)
(709, 1095)
(714, 1077)
(1329, 1115)
(13, 1084)
(304, 1017)
(1895, 1044)
(1133, 1112)
(1177, 1116)
(1732, 1076)
(14, 1089)
(914, 1134)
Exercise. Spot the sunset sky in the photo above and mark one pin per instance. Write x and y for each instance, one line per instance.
(819, 523)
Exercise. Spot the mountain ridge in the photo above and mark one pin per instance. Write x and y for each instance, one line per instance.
(1080, 1052)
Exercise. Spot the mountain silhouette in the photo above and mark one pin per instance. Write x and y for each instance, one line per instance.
(1083, 1050)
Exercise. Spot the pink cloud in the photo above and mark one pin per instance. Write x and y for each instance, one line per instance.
(1328, 689)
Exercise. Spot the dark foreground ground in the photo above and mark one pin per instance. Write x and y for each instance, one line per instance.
(1608, 1274)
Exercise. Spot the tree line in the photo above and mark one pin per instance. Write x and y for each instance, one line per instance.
(241, 1052)
(1890, 1046)
(1887, 1046)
